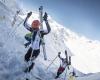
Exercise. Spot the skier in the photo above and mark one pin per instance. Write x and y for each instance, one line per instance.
(65, 63)
(37, 35)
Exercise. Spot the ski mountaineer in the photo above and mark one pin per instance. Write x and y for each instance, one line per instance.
(64, 63)
(36, 39)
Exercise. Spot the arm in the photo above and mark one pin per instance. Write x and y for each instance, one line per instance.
(25, 22)
(59, 55)
(47, 24)
(48, 27)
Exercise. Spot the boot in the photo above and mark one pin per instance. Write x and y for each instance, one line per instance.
(28, 69)
(31, 67)
(56, 77)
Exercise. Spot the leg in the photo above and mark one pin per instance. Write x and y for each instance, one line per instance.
(35, 54)
(28, 54)
(60, 71)
(31, 67)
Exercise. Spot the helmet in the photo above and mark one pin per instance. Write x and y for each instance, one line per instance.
(35, 24)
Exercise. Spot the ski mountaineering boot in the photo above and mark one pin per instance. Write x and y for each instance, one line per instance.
(29, 68)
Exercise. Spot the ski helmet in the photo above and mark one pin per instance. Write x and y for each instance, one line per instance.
(35, 24)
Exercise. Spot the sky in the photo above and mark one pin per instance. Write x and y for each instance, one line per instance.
(80, 16)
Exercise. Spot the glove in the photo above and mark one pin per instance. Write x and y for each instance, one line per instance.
(59, 54)
(29, 14)
(26, 45)
(45, 16)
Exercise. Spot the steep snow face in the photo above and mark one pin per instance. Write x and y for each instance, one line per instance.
(12, 51)
(11, 4)
(90, 77)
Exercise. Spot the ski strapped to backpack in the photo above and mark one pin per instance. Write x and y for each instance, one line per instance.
(68, 59)
(41, 27)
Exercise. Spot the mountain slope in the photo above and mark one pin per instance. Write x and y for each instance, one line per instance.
(12, 50)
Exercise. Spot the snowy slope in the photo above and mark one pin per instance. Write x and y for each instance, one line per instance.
(90, 77)
(11, 4)
(85, 51)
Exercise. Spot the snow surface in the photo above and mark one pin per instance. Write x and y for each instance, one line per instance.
(84, 52)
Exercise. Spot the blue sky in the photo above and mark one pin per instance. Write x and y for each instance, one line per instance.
(81, 16)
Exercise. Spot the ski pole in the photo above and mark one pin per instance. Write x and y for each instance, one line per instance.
(52, 62)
